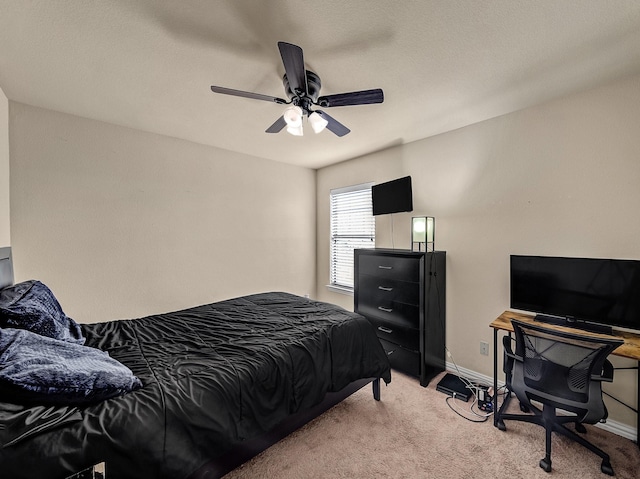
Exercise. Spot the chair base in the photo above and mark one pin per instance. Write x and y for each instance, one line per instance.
(550, 422)
(545, 464)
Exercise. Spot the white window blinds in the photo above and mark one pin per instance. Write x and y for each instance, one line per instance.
(352, 226)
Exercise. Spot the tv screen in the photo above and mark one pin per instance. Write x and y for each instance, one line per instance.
(602, 291)
(392, 197)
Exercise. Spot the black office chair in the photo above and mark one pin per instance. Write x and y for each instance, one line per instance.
(561, 371)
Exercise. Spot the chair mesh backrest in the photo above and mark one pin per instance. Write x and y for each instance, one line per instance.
(560, 363)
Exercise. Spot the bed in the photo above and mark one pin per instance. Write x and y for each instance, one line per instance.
(199, 390)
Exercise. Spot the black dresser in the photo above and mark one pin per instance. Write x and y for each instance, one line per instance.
(402, 293)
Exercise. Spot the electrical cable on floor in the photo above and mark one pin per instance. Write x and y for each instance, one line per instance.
(484, 417)
(473, 388)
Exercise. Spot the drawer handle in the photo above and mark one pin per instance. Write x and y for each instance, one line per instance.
(386, 310)
(385, 267)
(385, 330)
(384, 288)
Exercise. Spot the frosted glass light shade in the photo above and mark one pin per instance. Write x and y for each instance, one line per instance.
(419, 230)
(423, 232)
(295, 130)
(293, 116)
(318, 123)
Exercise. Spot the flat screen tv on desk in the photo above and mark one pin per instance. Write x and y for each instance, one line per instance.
(587, 293)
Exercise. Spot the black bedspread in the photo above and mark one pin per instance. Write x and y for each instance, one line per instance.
(212, 376)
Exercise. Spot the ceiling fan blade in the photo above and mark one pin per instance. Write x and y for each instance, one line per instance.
(334, 125)
(278, 125)
(364, 97)
(293, 61)
(247, 94)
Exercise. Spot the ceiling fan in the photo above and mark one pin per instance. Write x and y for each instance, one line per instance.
(302, 87)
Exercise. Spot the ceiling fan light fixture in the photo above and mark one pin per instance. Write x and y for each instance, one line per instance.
(295, 130)
(318, 123)
(302, 88)
(293, 117)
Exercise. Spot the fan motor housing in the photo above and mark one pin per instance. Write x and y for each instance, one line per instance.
(313, 87)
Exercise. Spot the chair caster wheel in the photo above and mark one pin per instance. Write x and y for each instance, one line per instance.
(606, 468)
(545, 464)
(524, 408)
(501, 425)
(580, 428)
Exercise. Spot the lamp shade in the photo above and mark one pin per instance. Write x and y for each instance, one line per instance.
(295, 130)
(423, 232)
(420, 230)
(293, 116)
(318, 123)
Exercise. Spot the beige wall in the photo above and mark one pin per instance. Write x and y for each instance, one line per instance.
(558, 179)
(122, 223)
(5, 230)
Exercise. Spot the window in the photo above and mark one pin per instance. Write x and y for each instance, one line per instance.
(352, 226)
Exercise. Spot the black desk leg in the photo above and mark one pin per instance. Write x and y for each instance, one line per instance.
(376, 389)
(497, 411)
(495, 377)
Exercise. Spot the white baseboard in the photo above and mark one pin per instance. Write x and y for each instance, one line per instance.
(611, 426)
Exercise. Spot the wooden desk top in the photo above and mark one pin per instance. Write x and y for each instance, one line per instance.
(630, 349)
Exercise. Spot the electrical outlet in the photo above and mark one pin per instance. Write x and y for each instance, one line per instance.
(484, 348)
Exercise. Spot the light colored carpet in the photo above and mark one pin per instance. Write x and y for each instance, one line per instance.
(412, 433)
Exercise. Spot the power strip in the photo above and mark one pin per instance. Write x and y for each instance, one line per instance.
(485, 398)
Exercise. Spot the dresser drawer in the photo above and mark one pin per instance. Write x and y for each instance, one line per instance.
(409, 338)
(390, 267)
(402, 359)
(375, 289)
(400, 314)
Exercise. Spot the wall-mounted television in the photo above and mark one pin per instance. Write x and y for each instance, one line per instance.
(579, 292)
(393, 196)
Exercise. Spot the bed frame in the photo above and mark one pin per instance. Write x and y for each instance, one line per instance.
(250, 448)
(244, 451)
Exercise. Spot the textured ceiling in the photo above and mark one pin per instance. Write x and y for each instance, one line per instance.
(149, 64)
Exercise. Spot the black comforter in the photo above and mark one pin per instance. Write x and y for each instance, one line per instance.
(212, 377)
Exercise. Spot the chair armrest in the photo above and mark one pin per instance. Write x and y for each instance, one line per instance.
(508, 351)
(607, 372)
(509, 357)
